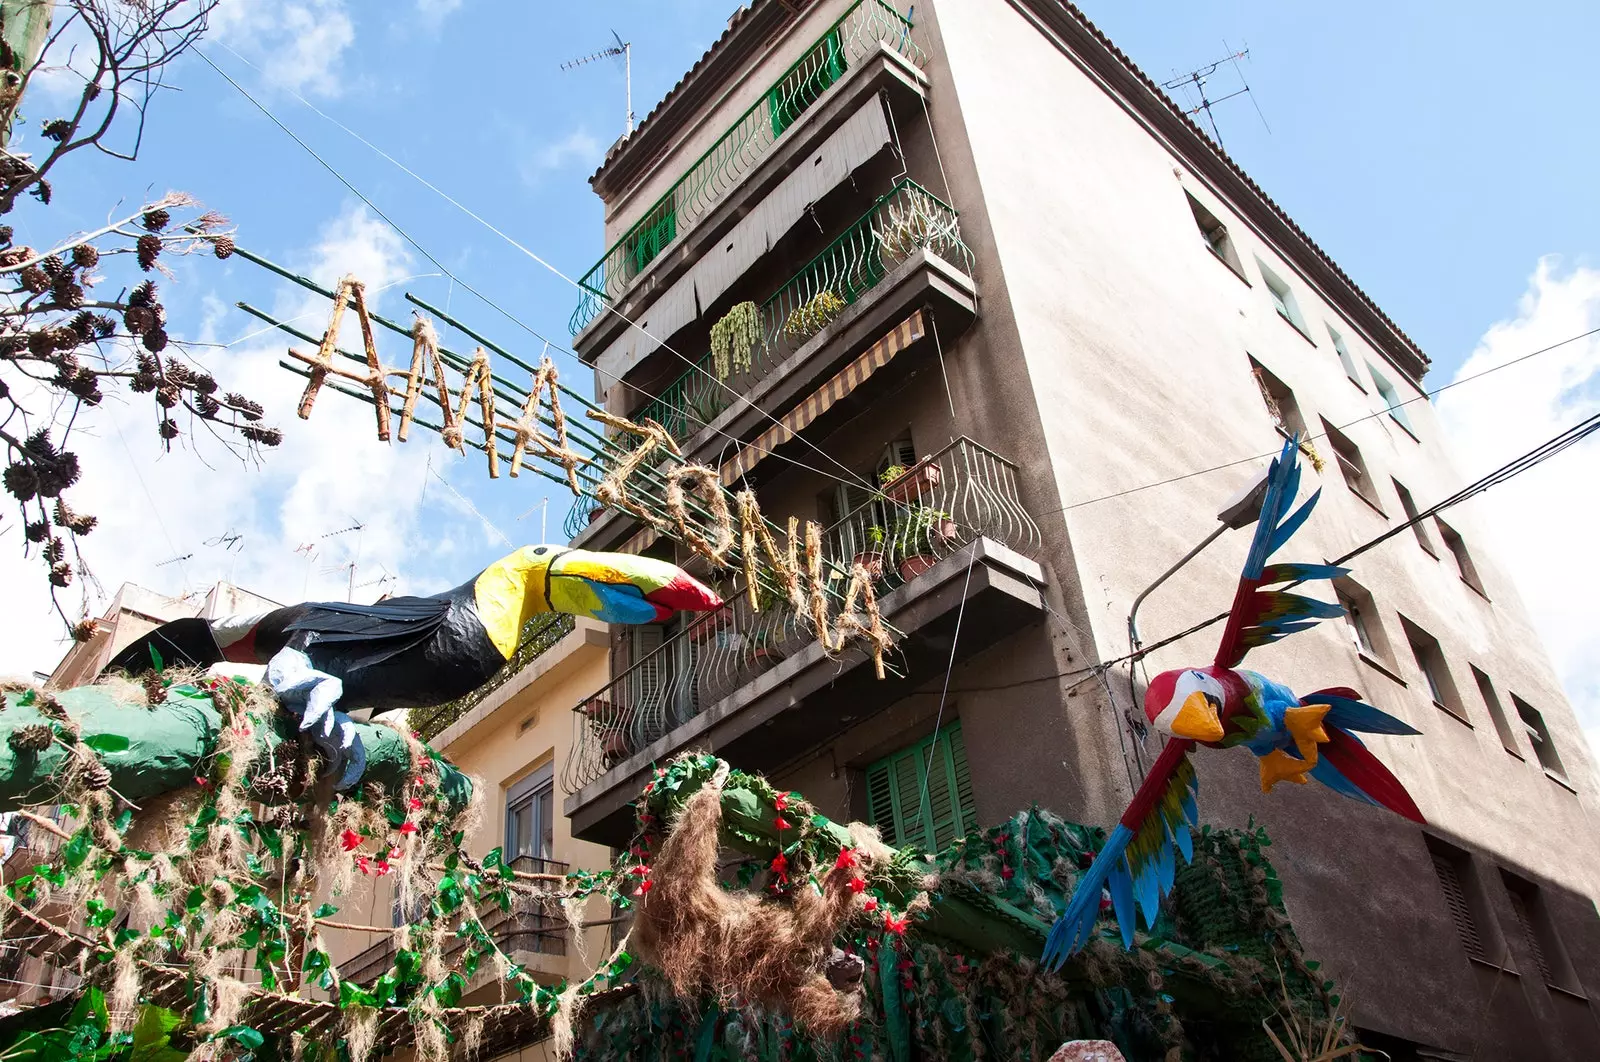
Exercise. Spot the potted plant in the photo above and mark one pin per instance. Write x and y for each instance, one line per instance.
(871, 558)
(914, 536)
(903, 484)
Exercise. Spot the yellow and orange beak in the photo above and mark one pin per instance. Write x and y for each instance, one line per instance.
(1198, 719)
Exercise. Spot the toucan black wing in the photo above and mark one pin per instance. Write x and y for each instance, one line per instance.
(383, 630)
(180, 643)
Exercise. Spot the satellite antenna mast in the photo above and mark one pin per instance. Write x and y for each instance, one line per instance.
(1197, 79)
(623, 50)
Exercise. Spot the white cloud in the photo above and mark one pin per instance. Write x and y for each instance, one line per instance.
(329, 472)
(298, 44)
(1544, 518)
(578, 147)
(433, 12)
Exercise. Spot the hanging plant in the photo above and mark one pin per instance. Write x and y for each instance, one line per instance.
(734, 337)
(807, 320)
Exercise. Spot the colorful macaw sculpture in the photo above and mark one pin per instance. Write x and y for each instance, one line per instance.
(411, 652)
(1295, 738)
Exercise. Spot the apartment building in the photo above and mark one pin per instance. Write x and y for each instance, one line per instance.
(962, 285)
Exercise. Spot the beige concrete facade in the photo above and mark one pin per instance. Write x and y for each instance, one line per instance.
(1115, 360)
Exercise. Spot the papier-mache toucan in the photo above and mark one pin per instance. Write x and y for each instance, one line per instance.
(411, 652)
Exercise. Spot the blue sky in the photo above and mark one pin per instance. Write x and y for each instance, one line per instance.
(1437, 151)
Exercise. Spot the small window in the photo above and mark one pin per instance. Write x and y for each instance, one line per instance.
(1430, 661)
(1279, 400)
(1408, 505)
(1539, 933)
(1362, 623)
(1539, 734)
(1458, 550)
(1497, 712)
(1283, 299)
(530, 817)
(1453, 868)
(922, 795)
(1392, 399)
(1215, 233)
(1345, 359)
(1351, 466)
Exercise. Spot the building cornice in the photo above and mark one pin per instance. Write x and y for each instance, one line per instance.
(1078, 38)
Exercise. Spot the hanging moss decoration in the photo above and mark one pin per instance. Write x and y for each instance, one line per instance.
(734, 338)
(806, 321)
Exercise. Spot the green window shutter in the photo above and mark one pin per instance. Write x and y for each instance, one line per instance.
(807, 80)
(895, 792)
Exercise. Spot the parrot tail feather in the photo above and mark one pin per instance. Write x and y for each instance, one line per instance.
(1076, 924)
(1347, 711)
(1366, 773)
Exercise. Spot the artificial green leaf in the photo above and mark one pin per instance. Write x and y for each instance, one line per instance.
(76, 850)
(107, 743)
(152, 1035)
(244, 1036)
(324, 910)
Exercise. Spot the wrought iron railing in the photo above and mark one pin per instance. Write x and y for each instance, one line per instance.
(906, 219)
(858, 32)
(963, 492)
(539, 634)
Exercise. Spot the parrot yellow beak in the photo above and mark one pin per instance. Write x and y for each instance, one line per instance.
(1197, 720)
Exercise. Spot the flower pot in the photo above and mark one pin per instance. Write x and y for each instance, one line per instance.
(872, 562)
(912, 567)
(945, 529)
(596, 513)
(913, 482)
(615, 745)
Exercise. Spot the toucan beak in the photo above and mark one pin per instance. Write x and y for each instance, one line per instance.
(1198, 720)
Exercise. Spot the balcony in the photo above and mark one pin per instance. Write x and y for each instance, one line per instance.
(530, 928)
(868, 27)
(756, 686)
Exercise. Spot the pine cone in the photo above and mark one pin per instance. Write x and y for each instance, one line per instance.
(247, 409)
(264, 436)
(54, 551)
(204, 383)
(155, 688)
(5, 235)
(52, 264)
(167, 396)
(156, 220)
(65, 338)
(96, 776)
(21, 480)
(38, 531)
(34, 279)
(156, 339)
(168, 429)
(143, 295)
(86, 255)
(42, 342)
(222, 247)
(273, 786)
(83, 324)
(104, 326)
(41, 191)
(149, 248)
(143, 382)
(58, 475)
(61, 575)
(35, 737)
(85, 386)
(208, 406)
(84, 630)
(56, 129)
(177, 372)
(68, 293)
(82, 525)
(138, 319)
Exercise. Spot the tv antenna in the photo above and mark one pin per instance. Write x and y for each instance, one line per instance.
(623, 50)
(174, 560)
(229, 540)
(1197, 79)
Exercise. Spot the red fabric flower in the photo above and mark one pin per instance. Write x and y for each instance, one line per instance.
(644, 886)
(201, 782)
(349, 840)
(395, 853)
(382, 867)
(894, 925)
(641, 870)
(781, 823)
(857, 884)
(781, 801)
(648, 786)
(1007, 873)
(408, 827)
(871, 904)
(780, 867)
(363, 864)
(847, 858)
(414, 803)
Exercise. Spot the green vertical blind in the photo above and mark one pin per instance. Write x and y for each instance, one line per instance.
(811, 76)
(895, 788)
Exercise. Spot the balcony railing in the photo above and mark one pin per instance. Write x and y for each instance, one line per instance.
(963, 492)
(905, 220)
(857, 33)
(538, 636)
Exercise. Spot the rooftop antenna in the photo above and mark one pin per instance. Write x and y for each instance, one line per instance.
(624, 50)
(1198, 78)
(174, 560)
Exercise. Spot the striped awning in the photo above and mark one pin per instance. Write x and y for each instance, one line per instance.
(846, 380)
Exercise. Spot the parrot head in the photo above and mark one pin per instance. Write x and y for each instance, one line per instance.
(1186, 704)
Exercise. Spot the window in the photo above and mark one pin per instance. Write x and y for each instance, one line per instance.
(1361, 622)
(1454, 870)
(1345, 359)
(1458, 550)
(856, 509)
(1392, 399)
(1409, 506)
(1216, 236)
(1283, 299)
(530, 816)
(1351, 466)
(1497, 712)
(806, 81)
(1279, 400)
(922, 795)
(1539, 734)
(1539, 933)
(1430, 661)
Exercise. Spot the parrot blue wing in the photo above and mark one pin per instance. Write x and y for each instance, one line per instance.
(1137, 863)
(1349, 713)
(1261, 616)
